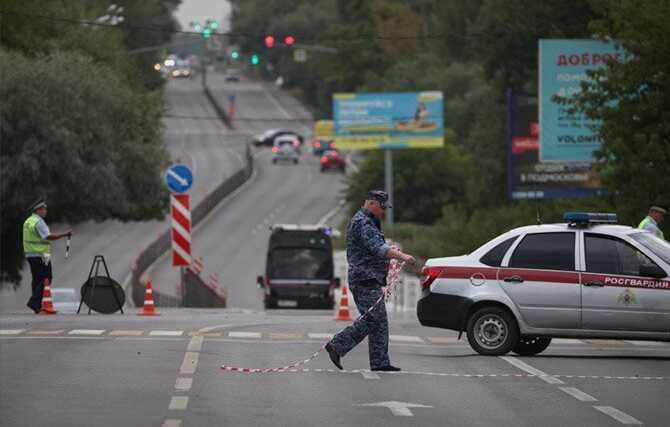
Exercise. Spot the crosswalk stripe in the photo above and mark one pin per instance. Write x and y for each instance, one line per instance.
(11, 331)
(124, 332)
(284, 335)
(166, 333)
(569, 341)
(405, 338)
(238, 334)
(46, 332)
(86, 332)
(318, 336)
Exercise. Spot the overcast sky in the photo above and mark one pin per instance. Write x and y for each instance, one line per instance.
(200, 10)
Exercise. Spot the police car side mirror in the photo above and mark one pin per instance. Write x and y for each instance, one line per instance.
(652, 270)
(260, 281)
(338, 282)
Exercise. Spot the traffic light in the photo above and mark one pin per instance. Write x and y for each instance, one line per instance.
(289, 40)
(206, 33)
(255, 59)
(235, 54)
(269, 41)
(197, 27)
(214, 25)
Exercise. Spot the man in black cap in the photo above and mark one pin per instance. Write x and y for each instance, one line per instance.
(368, 256)
(37, 240)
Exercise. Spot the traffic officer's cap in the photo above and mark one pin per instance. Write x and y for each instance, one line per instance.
(41, 203)
(659, 209)
(381, 196)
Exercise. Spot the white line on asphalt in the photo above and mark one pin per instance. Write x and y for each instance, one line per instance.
(405, 338)
(578, 394)
(316, 336)
(11, 331)
(178, 403)
(183, 383)
(166, 333)
(622, 417)
(86, 332)
(534, 371)
(244, 334)
(368, 375)
(172, 423)
(190, 362)
(569, 341)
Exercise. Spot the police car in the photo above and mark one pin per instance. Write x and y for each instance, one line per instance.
(585, 278)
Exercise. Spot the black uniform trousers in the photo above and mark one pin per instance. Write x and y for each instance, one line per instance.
(39, 271)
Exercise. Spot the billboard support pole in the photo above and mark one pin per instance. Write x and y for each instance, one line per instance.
(388, 183)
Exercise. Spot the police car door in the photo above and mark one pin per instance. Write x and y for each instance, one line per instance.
(614, 294)
(540, 277)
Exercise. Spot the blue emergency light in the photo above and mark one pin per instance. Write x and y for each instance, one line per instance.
(586, 218)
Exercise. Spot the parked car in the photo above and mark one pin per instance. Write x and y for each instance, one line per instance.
(268, 137)
(585, 278)
(333, 159)
(299, 268)
(286, 148)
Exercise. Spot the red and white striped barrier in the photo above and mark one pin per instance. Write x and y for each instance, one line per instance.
(196, 266)
(392, 279)
(181, 229)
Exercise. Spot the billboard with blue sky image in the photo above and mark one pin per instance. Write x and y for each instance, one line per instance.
(566, 137)
(390, 120)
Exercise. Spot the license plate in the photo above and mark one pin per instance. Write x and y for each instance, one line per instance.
(287, 303)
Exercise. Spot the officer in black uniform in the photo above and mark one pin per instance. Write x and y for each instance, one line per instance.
(368, 256)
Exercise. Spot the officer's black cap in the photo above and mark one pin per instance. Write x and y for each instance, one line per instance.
(381, 196)
(41, 203)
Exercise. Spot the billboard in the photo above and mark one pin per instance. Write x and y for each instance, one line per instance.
(364, 121)
(527, 176)
(566, 137)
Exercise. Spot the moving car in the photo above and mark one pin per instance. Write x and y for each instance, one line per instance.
(299, 268)
(65, 300)
(585, 278)
(321, 145)
(333, 160)
(182, 69)
(286, 148)
(268, 137)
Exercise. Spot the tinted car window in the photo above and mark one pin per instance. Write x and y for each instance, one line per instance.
(300, 263)
(495, 256)
(611, 255)
(546, 251)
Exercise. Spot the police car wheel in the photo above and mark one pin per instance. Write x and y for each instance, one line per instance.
(492, 331)
(270, 303)
(530, 346)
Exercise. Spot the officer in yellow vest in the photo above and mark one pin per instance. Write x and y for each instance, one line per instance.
(37, 249)
(651, 221)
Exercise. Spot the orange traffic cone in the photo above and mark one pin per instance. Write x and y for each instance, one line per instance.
(148, 309)
(47, 303)
(343, 311)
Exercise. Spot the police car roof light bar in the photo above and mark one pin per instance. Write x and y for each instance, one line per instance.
(586, 218)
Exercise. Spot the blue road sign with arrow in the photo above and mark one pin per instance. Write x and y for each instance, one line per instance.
(179, 178)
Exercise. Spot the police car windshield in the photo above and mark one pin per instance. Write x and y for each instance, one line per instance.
(658, 246)
(300, 263)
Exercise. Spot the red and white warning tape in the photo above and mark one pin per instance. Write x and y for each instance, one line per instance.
(392, 279)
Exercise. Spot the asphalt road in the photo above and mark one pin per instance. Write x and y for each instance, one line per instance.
(137, 371)
(193, 136)
(233, 240)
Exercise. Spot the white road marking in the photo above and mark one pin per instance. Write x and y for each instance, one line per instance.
(578, 394)
(86, 332)
(178, 403)
(190, 363)
(172, 423)
(533, 371)
(166, 333)
(317, 336)
(368, 375)
(405, 338)
(11, 331)
(126, 332)
(622, 417)
(195, 344)
(244, 334)
(183, 383)
(568, 341)
(399, 409)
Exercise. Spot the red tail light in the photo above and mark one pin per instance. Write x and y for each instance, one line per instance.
(317, 144)
(428, 276)
(275, 149)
